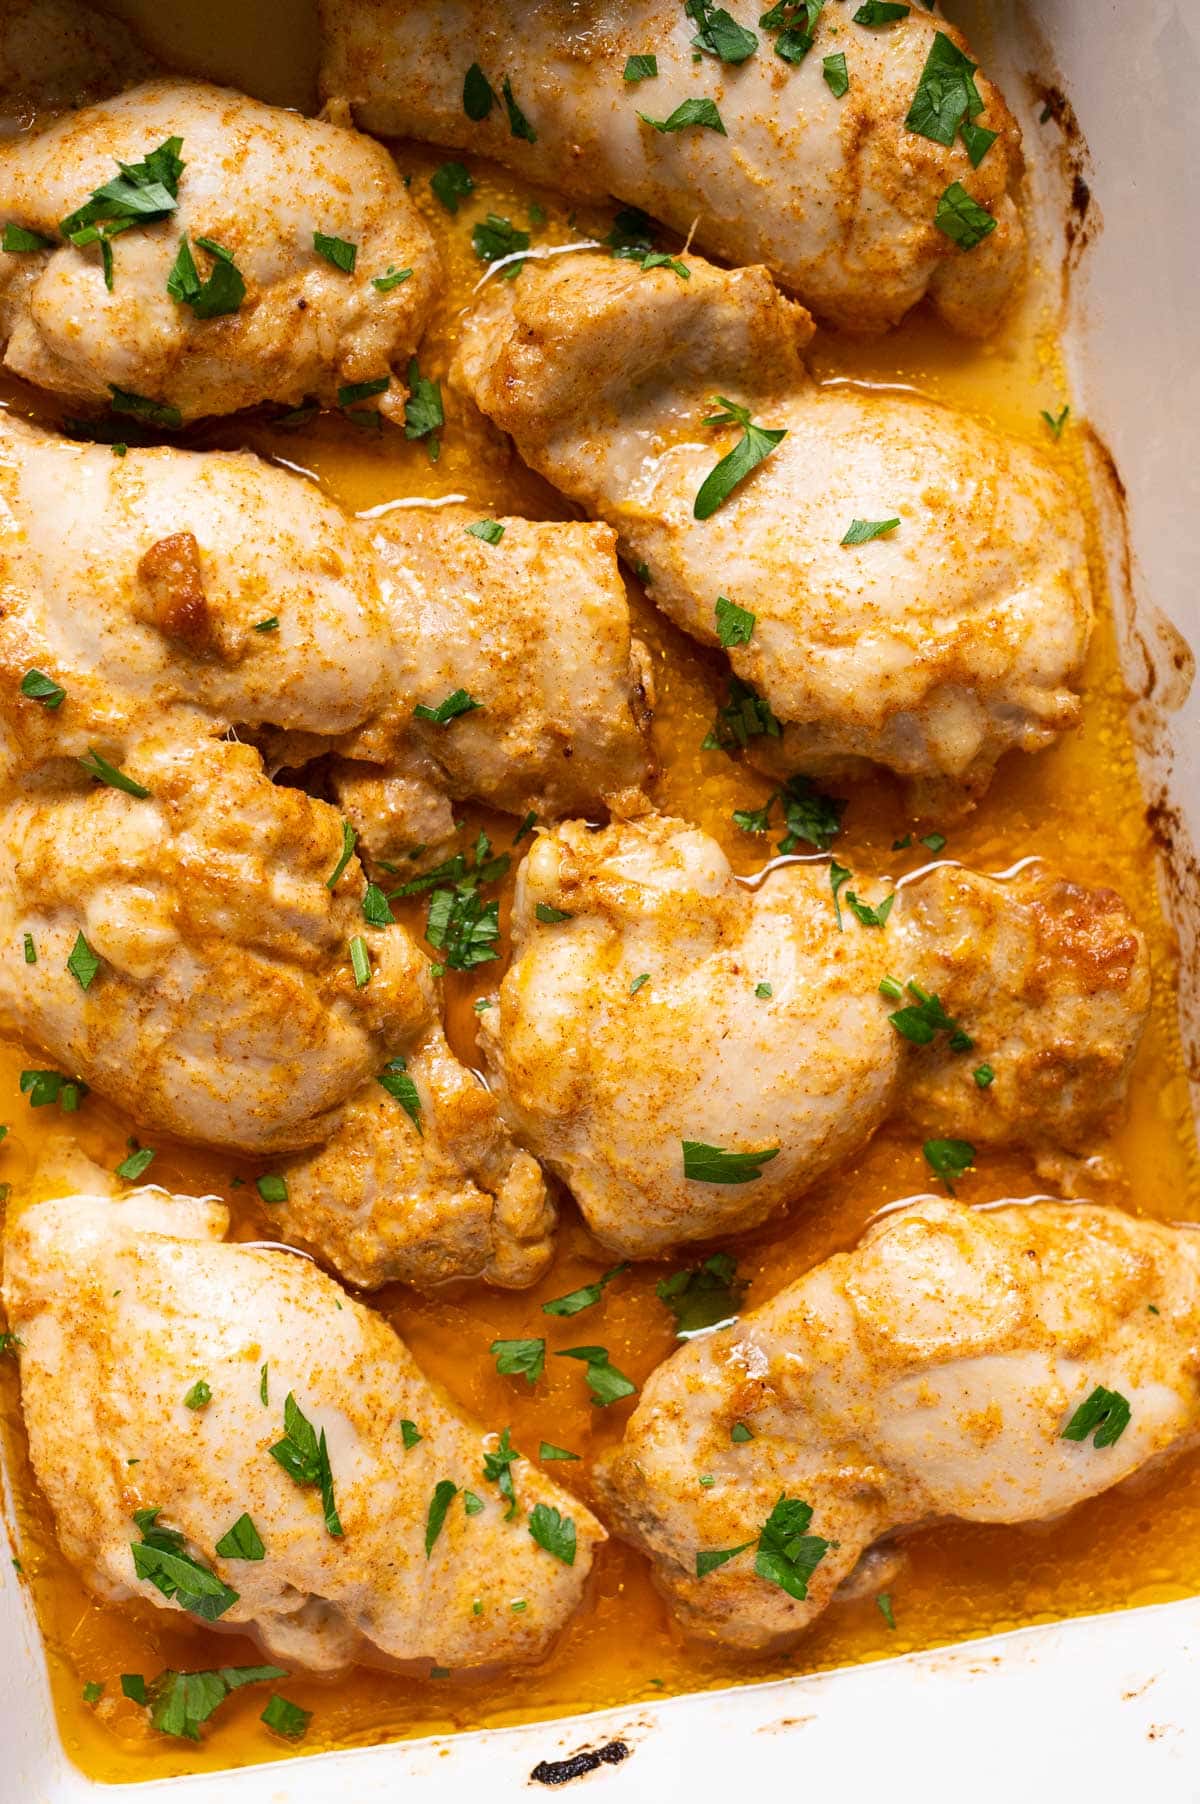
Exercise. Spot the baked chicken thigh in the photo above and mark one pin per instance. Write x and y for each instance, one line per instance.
(997, 1365)
(838, 193)
(689, 1050)
(219, 294)
(918, 582)
(317, 1492)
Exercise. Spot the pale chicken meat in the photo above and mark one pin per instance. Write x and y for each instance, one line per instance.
(837, 193)
(224, 593)
(59, 54)
(933, 1372)
(656, 1003)
(112, 317)
(385, 1543)
(955, 632)
(224, 1008)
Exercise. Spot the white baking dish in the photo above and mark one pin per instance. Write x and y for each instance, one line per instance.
(1102, 1705)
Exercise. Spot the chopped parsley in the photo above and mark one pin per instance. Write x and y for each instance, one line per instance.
(787, 1554)
(637, 68)
(865, 914)
(83, 963)
(93, 1691)
(46, 1087)
(839, 874)
(104, 772)
(284, 1718)
(497, 1469)
(451, 183)
(606, 1384)
(743, 717)
(353, 392)
(179, 1702)
(391, 278)
(698, 111)
(549, 1451)
(142, 407)
(936, 842)
(304, 1456)
(338, 251)
(520, 1358)
(763, 991)
(459, 923)
(808, 815)
(550, 917)
(739, 1434)
(1104, 1416)
(242, 1542)
(1055, 421)
(755, 444)
(704, 1296)
(638, 982)
(711, 1165)
(143, 193)
(272, 1187)
(30, 950)
(949, 1159)
(734, 624)
(269, 625)
(883, 1604)
(41, 688)
(349, 840)
(496, 237)
(19, 240)
(448, 709)
(360, 961)
(222, 291)
(977, 140)
(554, 1532)
(880, 12)
(946, 95)
(795, 39)
(132, 1167)
(491, 532)
(518, 124)
(444, 1493)
(376, 908)
(962, 219)
(396, 1081)
(984, 1076)
(478, 95)
(410, 1434)
(835, 74)
(159, 1560)
(199, 1396)
(720, 35)
(923, 1022)
(861, 532)
(423, 415)
(586, 1297)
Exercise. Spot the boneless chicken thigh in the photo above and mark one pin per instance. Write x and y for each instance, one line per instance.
(391, 1545)
(955, 631)
(98, 321)
(838, 193)
(997, 1365)
(656, 1002)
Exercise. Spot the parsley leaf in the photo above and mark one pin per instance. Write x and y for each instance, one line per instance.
(410, 1434)
(809, 816)
(451, 183)
(699, 111)
(82, 963)
(1056, 422)
(478, 95)
(606, 1384)
(637, 68)
(550, 917)
(554, 1532)
(155, 413)
(586, 1297)
(787, 1555)
(490, 531)
(19, 240)
(734, 624)
(199, 1395)
(104, 772)
(349, 840)
(705, 1296)
(45, 1087)
(391, 278)
(338, 251)
(497, 1466)
(880, 12)
(285, 1718)
(838, 875)
(922, 1023)
(549, 1451)
(720, 35)
(448, 709)
(795, 40)
(496, 237)
(223, 289)
(744, 716)
(520, 1358)
(962, 219)
(272, 1187)
(946, 93)
(463, 927)
(41, 688)
(304, 1456)
(884, 1605)
(949, 1159)
(444, 1493)
(396, 1081)
(755, 444)
(518, 124)
(861, 532)
(158, 1560)
(711, 1165)
(1105, 1414)
(93, 1691)
(376, 908)
(868, 916)
(836, 75)
(977, 141)
(984, 1076)
(180, 1702)
(423, 413)
(242, 1542)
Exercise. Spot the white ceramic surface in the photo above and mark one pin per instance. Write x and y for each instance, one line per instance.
(1102, 1707)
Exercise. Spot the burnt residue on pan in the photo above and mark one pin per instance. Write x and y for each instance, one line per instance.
(561, 1772)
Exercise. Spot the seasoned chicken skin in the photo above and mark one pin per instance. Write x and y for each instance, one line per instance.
(122, 1307)
(833, 193)
(934, 648)
(929, 1373)
(56, 54)
(259, 182)
(677, 1003)
(225, 593)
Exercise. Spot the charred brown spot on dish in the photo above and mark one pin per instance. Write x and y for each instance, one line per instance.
(576, 1766)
